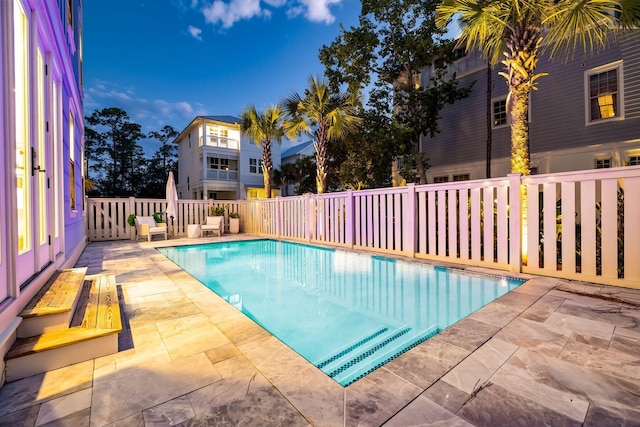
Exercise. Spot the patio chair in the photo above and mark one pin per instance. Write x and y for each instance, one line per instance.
(213, 224)
(146, 226)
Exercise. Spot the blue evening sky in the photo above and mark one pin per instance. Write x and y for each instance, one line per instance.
(166, 61)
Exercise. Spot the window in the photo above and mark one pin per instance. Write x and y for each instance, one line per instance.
(603, 163)
(255, 165)
(462, 177)
(533, 170)
(633, 161)
(440, 179)
(218, 164)
(72, 171)
(499, 113)
(604, 93)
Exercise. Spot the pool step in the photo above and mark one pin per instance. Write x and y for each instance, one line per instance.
(351, 347)
(376, 353)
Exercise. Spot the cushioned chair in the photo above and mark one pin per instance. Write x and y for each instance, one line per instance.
(213, 224)
(146, 226)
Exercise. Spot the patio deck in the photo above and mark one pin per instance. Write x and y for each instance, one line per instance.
(551, 352)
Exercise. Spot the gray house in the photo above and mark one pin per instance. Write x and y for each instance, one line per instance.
(585, 115)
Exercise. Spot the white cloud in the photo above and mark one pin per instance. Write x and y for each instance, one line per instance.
(152, 114)
(229, 13)
(195, 32)
(318, 10)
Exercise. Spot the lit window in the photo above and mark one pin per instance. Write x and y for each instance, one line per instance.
(634, 161)
(462, 177)
(603, 163)
(500, 113)
(440, 179)
(72, 170)
(604, 97)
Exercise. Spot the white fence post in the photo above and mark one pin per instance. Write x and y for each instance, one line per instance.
(278, 217)
(515, 223)
(131, 209)
(409, 222)
(348, 219)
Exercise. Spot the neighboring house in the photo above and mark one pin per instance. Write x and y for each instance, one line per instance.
(585, 115)
(217, 162)
(42, 127)
(293, 154)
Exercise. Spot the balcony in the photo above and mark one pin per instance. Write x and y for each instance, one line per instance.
(222, 175)
(222, 142)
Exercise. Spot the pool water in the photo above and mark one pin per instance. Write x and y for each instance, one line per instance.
(346, 313)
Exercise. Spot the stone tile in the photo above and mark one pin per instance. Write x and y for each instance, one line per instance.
(602, 311)
(235, 367)
(495, 406)
(517, 300)
(468, 333)
(563, 382)
(375, 398)
(81, 418)
(318, 397)
(581, 325)
(578, 287)
(222, 352)
(473, 371)
(447, 396)
(534, 336)
(242, 330)
(135, 389)
(496, 314)
(626, 341)
(146, 314)
(25, 417)
(64, 406)
(591, 352)
(427, 362)
(598, 416)
(135, 420)
(274, 359)
(536, 286)
(542, 309)
(171, 413)
(189, 335)
(252, 401)
(519, 378)
(424, 412)
(44, 387)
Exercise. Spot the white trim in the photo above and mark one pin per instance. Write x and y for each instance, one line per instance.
(587, 97)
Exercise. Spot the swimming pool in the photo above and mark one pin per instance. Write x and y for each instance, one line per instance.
(347, 313)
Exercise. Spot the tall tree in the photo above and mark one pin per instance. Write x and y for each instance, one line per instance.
(510, 31)
(326, 115)
(395, 41)
(263, 128)
(115, 152)
(167, 151)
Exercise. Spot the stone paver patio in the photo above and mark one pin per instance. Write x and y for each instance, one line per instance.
(551, 352)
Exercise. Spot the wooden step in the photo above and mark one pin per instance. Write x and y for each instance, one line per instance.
(94, 333)
(52, 308)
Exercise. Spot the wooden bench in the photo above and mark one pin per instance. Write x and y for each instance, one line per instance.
(92, 332)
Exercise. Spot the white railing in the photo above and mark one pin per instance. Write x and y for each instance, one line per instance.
(577, 225)
(222, 142)
(222, 175)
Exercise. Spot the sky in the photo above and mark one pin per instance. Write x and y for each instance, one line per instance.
(167, 61)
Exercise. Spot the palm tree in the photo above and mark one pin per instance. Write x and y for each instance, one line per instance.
(263, 128)
(515, 28)
(326, 115)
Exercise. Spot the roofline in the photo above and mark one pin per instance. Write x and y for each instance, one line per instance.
(204, 119)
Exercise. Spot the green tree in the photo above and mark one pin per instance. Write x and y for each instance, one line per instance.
(163, 160)
(286, 176)
(512, 30)
(326, 115)
(305, 175)
(167, 151)
(263, 128)
(386, 53)
(114, 152)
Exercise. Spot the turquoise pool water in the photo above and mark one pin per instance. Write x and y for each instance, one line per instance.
(346, 313)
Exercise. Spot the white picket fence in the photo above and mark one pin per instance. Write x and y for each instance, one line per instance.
(579, 225)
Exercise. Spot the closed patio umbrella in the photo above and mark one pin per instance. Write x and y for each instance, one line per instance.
(172, 200)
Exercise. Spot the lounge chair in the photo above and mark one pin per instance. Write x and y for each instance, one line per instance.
(146, 226)
(212, 224)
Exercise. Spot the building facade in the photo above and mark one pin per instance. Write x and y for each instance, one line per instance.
(41, 183)
(215, 161)
(585, 115)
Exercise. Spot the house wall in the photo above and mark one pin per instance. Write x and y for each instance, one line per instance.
(52, 67)
(557, 119)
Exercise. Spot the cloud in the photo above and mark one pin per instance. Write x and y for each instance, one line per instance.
(195, 32)
(229, 13)
(152, 114)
